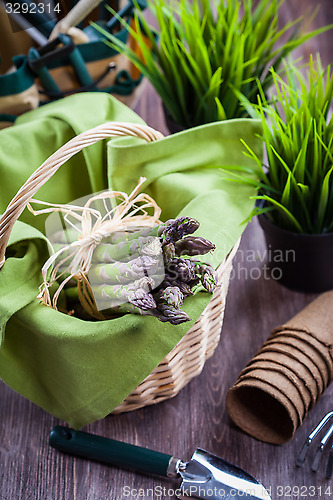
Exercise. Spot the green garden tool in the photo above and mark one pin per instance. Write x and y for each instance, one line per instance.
(205, 476)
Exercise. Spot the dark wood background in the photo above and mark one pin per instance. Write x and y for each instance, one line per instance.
(30, 470)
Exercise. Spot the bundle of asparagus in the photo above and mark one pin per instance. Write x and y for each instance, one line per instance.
(147, 272)
(151, 272)
(121, 258)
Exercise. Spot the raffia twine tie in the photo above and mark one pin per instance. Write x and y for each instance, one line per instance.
(130, 213)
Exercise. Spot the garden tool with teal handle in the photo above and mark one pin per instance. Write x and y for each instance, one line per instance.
(205, 476)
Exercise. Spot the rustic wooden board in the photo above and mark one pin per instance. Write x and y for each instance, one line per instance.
(30, 470)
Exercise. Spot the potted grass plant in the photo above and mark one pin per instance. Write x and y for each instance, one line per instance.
(209, 53)
(295, 188)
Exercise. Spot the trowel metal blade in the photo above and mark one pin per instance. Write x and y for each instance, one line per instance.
(207, 476)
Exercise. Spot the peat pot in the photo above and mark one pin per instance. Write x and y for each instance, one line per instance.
(302, 262)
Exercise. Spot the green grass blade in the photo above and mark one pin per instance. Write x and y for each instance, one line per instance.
(285, 212)
(323, 201)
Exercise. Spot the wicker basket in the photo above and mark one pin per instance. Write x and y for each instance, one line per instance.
(188, 357)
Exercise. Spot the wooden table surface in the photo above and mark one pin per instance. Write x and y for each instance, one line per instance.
(31, 470)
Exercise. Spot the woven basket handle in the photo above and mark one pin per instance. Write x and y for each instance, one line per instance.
(51, 165)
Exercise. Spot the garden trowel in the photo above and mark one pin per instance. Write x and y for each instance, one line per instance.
(205, 476)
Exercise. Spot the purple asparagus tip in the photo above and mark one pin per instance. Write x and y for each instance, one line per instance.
(193, 245)
(171, 314)
(171, 295)
(179, 228)
(142, 300)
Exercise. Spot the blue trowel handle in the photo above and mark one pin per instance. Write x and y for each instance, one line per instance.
(111, 452)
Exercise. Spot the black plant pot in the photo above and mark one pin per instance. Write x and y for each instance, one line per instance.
(302, 262)
(173, 126)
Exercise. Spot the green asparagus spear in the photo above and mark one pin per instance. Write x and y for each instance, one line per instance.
(67, 236)
(177, 227)
(124, 272)
(119, 294)
(133, 234)
(127, 249)
(139, 299)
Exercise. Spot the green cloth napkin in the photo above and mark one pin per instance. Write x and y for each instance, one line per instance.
(80, 370)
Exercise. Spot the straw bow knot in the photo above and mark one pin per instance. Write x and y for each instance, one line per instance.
(94, 238)
(124, 213)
